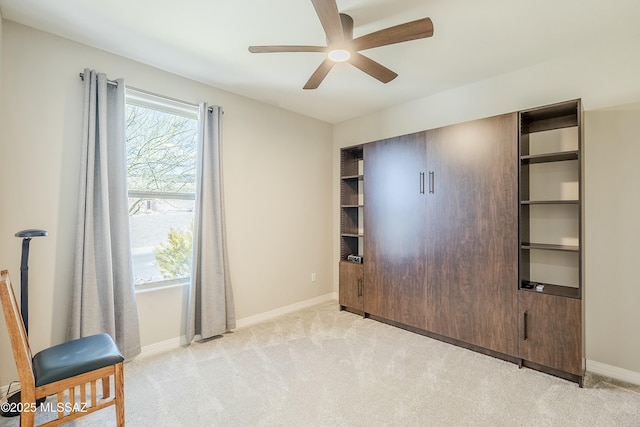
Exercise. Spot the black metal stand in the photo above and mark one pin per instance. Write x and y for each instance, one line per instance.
(26, 235)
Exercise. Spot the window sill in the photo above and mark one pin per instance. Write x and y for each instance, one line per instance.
(156, 286)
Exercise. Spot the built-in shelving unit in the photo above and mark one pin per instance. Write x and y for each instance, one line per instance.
(550, 199)
(351, 226)
(442, 220)
(550, 303)
(351, 202)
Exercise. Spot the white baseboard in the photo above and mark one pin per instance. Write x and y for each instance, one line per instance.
(162, 346)
(268, 315)
(613, 372)
(173, 343)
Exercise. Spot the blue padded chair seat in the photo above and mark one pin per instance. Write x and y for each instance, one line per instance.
(74, 358)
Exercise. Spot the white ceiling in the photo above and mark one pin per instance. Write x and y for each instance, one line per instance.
(207, 40)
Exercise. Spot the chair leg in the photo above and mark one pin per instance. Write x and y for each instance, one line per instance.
(119, 386)
(27, 419)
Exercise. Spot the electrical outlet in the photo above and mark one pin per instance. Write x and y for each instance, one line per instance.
(313, 277)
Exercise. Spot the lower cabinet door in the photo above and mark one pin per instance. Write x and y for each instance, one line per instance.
(351, 285)
(551, 331)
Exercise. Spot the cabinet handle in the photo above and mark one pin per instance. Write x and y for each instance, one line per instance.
(421, 182)
(359, 287)
(432, 183)
(526, 316)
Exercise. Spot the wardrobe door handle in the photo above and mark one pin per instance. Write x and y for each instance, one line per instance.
(421, 182)
(526, 315)
(432, 183)
(359, 287)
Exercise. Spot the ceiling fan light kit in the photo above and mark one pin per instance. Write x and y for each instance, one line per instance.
(342, 47)
(339, 55)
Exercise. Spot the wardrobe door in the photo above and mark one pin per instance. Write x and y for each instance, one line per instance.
(551, 331)
(472, 230)
(351, 285)
(395, 229)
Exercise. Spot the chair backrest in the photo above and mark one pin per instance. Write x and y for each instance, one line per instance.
(17, 332)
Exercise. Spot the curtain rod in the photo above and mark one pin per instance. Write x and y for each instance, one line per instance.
(114, 83)
(109, 82)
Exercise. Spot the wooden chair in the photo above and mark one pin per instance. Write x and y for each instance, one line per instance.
(64, 369)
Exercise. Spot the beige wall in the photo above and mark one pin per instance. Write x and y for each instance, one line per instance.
(603, 76)
(279, 182)
(612, 233)
(277, 171)
(1, 63)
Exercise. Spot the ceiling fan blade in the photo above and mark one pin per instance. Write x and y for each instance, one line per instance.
(327, 11)
(420, 29)
(276, 49)
(318, 76)
(372, 68)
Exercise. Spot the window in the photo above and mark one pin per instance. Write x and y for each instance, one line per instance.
(161, 174)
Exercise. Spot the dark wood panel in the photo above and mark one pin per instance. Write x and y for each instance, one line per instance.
(473, 226)
(395, 229)
(553, 331)
(508, 357)
(351, 285)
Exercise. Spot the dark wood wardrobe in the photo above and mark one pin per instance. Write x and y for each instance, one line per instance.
(436, 217)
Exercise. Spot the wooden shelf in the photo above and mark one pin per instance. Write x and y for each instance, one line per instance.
(550, 157)
(549, 247)
(557, 116)
(346, 234)
(550, 202)
(550, 289)
(360, 177)
(344, 261)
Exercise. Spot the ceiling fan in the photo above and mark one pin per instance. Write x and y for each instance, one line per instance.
(341, 46)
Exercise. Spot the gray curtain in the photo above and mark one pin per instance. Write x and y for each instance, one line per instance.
(211, 311)
(103, 295)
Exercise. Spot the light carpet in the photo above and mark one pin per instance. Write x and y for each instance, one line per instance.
(323, 367)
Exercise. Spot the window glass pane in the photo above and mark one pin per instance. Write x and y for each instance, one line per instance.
(161, 239)
(161, 151)
(161, 170)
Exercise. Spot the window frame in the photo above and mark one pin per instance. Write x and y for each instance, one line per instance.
(143, 99)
